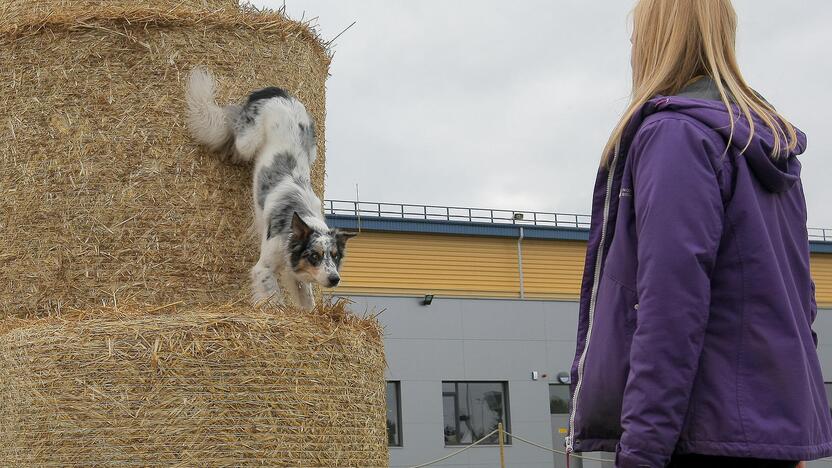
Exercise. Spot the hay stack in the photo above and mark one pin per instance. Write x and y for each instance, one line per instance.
(102, 192)
(203, 387)
(105, 199)
(10, 10)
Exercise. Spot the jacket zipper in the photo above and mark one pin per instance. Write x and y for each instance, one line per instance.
(570, 439)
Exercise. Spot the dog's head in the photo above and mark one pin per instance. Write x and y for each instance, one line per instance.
(316, 256)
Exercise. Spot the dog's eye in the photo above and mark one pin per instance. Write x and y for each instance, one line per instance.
(313, 257)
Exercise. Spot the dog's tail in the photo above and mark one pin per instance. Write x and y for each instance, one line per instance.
(209, 124)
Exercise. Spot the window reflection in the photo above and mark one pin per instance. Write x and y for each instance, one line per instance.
(394, 413)
(472, 410)
(559, 399)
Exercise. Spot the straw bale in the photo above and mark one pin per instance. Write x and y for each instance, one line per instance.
(11, 9)
(102, 193)
(198, 387)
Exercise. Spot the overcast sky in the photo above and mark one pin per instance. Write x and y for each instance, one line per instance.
(507, 104)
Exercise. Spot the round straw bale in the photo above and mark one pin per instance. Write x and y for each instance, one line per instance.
(102, 192)
(202, 387)
(14, 9)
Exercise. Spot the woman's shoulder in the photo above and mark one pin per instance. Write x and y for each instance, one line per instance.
(670, 138)
(677, 128)
(671, 120)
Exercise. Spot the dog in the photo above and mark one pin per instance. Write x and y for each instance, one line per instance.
(274, 130)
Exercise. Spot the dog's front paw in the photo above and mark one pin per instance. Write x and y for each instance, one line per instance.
(235, 159)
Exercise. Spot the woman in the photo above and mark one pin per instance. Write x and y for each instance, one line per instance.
(695, 345)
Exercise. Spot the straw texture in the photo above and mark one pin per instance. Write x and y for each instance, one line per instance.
(202, 387)
(102, 193)
(11, 9)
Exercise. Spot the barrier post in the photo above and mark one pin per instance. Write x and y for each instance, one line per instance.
(502, 436)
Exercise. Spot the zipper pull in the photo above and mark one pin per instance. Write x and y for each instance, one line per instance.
(569, 448)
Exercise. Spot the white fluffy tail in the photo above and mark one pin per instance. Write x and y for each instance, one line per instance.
(207, 121)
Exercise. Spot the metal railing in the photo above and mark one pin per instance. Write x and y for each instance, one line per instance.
(822, 235)
(455, 213)
(481, 215)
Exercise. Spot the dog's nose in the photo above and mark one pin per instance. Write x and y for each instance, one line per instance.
(334, 280)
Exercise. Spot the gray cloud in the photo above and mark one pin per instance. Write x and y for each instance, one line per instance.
(507, 104)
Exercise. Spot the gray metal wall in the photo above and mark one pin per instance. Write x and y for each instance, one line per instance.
(823, 327)
(486, 339)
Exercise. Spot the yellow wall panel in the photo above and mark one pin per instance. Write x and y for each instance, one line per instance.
(822, 274)
(405, 263)
(476, 266)
(553, 268)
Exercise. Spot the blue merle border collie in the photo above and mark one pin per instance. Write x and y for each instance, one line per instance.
(274, 130)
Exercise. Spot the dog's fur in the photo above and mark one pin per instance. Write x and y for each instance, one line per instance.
(274, 130)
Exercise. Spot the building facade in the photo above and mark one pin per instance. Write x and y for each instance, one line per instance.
(480, 316)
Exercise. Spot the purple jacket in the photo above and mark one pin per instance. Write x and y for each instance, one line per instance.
(694, 333)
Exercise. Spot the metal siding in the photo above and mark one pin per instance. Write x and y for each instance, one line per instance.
(471, 339)
(389, 263)
(553, 269)
(822, 274)
(820, 247)
(384, 263)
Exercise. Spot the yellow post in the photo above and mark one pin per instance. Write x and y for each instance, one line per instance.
(502, 436)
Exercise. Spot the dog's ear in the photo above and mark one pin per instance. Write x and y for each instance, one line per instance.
(300, 230)
(341, 237)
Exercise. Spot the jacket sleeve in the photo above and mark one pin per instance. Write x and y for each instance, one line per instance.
(679, 222)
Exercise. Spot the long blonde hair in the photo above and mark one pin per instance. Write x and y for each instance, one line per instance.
(675, 41)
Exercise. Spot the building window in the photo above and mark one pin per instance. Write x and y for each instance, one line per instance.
(394, 414)
(559, 400)
(472, 410)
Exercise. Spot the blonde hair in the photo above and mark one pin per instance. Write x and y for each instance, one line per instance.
(676, 41)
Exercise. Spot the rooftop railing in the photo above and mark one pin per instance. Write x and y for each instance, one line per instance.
(821, 235)
(455, 213)
(481, 215)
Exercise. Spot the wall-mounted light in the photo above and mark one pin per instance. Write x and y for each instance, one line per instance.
(564, 378)
(427, 300)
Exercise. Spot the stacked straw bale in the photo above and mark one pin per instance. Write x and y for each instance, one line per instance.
(11, 10)
(206, 387)
(102, 192)
(104, 199)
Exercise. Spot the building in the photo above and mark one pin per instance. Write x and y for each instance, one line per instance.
(480, 312)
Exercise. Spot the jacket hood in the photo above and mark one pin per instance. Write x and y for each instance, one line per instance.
(701, 101)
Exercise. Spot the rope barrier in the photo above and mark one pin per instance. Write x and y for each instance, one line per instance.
(562, 452)
(553, 450)
(433, 462)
